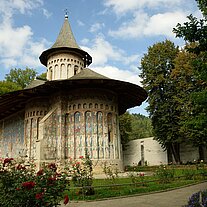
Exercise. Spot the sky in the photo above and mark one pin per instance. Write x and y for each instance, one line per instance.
(116, 33)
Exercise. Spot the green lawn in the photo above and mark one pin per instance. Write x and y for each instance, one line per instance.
(106, 188)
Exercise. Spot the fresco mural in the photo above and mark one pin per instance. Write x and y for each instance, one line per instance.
(100, 140)
(12, 136)
(51, 136)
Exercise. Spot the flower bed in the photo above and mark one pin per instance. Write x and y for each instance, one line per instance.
(21, 185)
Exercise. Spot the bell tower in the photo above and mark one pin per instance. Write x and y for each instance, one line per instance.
(65, 58)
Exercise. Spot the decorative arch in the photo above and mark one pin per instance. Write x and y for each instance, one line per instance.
(78, 140)
(89, 132)
(75, 69)
(62, 71)
(100, 140)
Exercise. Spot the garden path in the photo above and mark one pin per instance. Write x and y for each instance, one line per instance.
(172, 198)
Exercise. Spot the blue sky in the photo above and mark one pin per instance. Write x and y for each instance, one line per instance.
(116, 33)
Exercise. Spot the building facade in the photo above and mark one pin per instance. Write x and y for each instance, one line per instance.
(75, 111)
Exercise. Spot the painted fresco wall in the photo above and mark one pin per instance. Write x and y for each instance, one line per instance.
(12, 136)
(63, 126)
(92, 125)
(50, 136)
(35, 110)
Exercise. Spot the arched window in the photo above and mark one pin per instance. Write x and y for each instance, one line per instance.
(50, 74)
(90, 106)
(84, 105)
(55, 72)
(75, 69)
(68, 70)
(62, 71)
(79, 106)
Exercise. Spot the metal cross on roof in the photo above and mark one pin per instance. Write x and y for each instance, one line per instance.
(66, 13)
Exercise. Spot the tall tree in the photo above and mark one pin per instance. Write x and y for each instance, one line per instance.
(156, 68)
(6, 87)
(141, 127)
(195, 31)
(21, 77)
(42, 76)
(185, 83)
(125, 128)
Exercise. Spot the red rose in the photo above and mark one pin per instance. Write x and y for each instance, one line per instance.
(39, 196)
(77, 163)
(51, 180)
(40, 172)
(66, 199)
(81, 157)
(52, 166)
(20, 167)
(17, 188)
(7, 160)
(28, 185)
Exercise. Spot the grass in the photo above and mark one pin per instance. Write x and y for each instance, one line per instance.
(106, 188)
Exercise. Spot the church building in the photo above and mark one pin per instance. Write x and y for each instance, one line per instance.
(74, 111)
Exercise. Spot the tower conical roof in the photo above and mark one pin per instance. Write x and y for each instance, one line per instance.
(66, 41)
(66, 37)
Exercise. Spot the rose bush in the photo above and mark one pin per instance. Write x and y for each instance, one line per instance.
(22, 186)
(81, 172)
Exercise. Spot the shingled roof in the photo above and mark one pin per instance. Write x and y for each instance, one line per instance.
(66, 41)
(65, 37)
(129, 95)
(88, 74)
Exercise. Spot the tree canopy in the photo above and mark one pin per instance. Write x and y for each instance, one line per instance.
(21, 77)
(195, 31)
(134, 126)
(18, 79)
(156, 69)
(176, 81)
(6, 87)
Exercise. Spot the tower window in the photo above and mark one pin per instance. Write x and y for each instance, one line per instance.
(75, 69)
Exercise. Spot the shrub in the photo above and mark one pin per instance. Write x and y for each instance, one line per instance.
(21, 185)
(81, 172)
(138, 178)
(164, 174)
(189, 174)
(110, 171)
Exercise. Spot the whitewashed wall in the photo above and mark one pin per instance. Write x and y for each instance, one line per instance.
(153, 153)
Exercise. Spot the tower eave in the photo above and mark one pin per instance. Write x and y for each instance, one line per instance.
(45, 54)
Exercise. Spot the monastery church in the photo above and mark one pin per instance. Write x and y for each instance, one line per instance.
(73, 112)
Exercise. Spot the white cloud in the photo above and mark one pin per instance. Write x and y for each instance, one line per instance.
(17, 46)
(85, 41)
(118, 74)
(103, 51)
(80, 23)
(122, 6)
(163, 24)
(12, 40)
(8, 7)
(144, 25)
(46, 13)
(96, 27)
